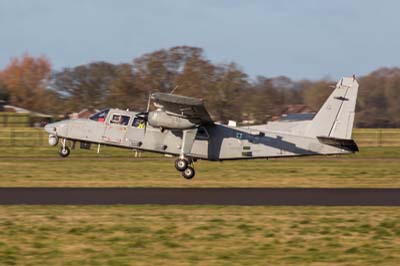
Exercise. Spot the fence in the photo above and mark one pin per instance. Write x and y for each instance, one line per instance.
(30, 137)
(377, 137)
(22, 136)
(14, 120)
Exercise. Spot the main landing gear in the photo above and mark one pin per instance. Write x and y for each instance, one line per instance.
(186, 167)
(64, 151)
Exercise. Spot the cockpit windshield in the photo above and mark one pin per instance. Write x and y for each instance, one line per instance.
(100, 116)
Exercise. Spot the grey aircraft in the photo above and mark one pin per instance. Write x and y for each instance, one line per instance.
(181, 126)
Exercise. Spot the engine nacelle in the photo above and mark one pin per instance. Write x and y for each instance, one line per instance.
(53, 140)
(163, 120)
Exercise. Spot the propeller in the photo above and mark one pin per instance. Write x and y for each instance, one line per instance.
(145, 115)
(148, 103)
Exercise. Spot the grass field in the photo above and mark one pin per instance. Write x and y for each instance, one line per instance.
(207, 235)
(198, 235)
(372, 167)
(28, 136)
(30, 162)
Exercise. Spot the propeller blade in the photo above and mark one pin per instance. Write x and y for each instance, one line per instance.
(148, 103)
(147, 113)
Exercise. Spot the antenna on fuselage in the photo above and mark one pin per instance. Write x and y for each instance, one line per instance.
(174, 89)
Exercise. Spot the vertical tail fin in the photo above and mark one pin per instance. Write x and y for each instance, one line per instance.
(336, 117)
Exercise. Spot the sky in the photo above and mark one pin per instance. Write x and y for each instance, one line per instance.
(310, 39)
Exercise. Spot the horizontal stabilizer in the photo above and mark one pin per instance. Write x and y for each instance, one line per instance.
(346, 144)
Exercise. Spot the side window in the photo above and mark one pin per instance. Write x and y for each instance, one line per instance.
(120, 119)
(115, 119)
(239, 135)
(202, 134)
(125, 120)
(138, 122)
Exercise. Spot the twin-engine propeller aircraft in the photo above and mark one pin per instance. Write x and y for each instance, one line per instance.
(181, 126)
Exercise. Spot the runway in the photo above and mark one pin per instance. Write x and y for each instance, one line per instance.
(202, 196)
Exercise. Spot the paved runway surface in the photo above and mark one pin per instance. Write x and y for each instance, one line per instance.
(201, 196)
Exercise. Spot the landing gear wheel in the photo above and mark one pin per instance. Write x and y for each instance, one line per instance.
(64, 151)
(181, 165)
(188, 173)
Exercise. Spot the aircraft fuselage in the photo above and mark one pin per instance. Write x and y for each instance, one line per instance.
(212, 142)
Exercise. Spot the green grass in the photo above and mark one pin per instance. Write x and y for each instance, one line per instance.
(27, 136)
(51, 152)
(372, 167)
(199, 235)
(113, 152)
(23, 165)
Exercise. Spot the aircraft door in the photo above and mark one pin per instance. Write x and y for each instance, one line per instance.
(116, 128)
(136, 131)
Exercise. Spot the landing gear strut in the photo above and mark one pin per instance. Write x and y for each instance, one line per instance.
(186, 167)
(64, 151)
(183, 164)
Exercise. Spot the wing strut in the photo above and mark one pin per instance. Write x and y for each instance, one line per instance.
(185, 164)
(187, 141)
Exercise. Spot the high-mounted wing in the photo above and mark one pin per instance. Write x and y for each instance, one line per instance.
(182, 106)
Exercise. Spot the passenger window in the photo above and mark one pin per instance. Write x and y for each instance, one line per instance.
(125, 120)
(120, 119)
(138, 122)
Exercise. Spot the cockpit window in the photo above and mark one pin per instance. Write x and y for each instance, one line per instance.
(100, 116)
(120, 119)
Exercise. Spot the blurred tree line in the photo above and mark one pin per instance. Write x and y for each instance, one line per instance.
(30, 82)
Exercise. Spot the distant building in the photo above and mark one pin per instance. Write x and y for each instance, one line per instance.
(84, 113)
(297, 109)
(17, 116)
(296, 112)
(2, 103)
(19, 110)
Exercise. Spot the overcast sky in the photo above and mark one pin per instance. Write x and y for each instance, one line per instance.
(299, 39)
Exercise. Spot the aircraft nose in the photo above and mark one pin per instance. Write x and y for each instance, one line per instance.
(50, 128)
(56, 128)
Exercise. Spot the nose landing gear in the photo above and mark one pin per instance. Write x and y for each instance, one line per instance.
(186, 167)
(64, 151)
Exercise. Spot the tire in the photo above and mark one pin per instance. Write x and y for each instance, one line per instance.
(181, 165)
(188, 173)
(64, 152)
